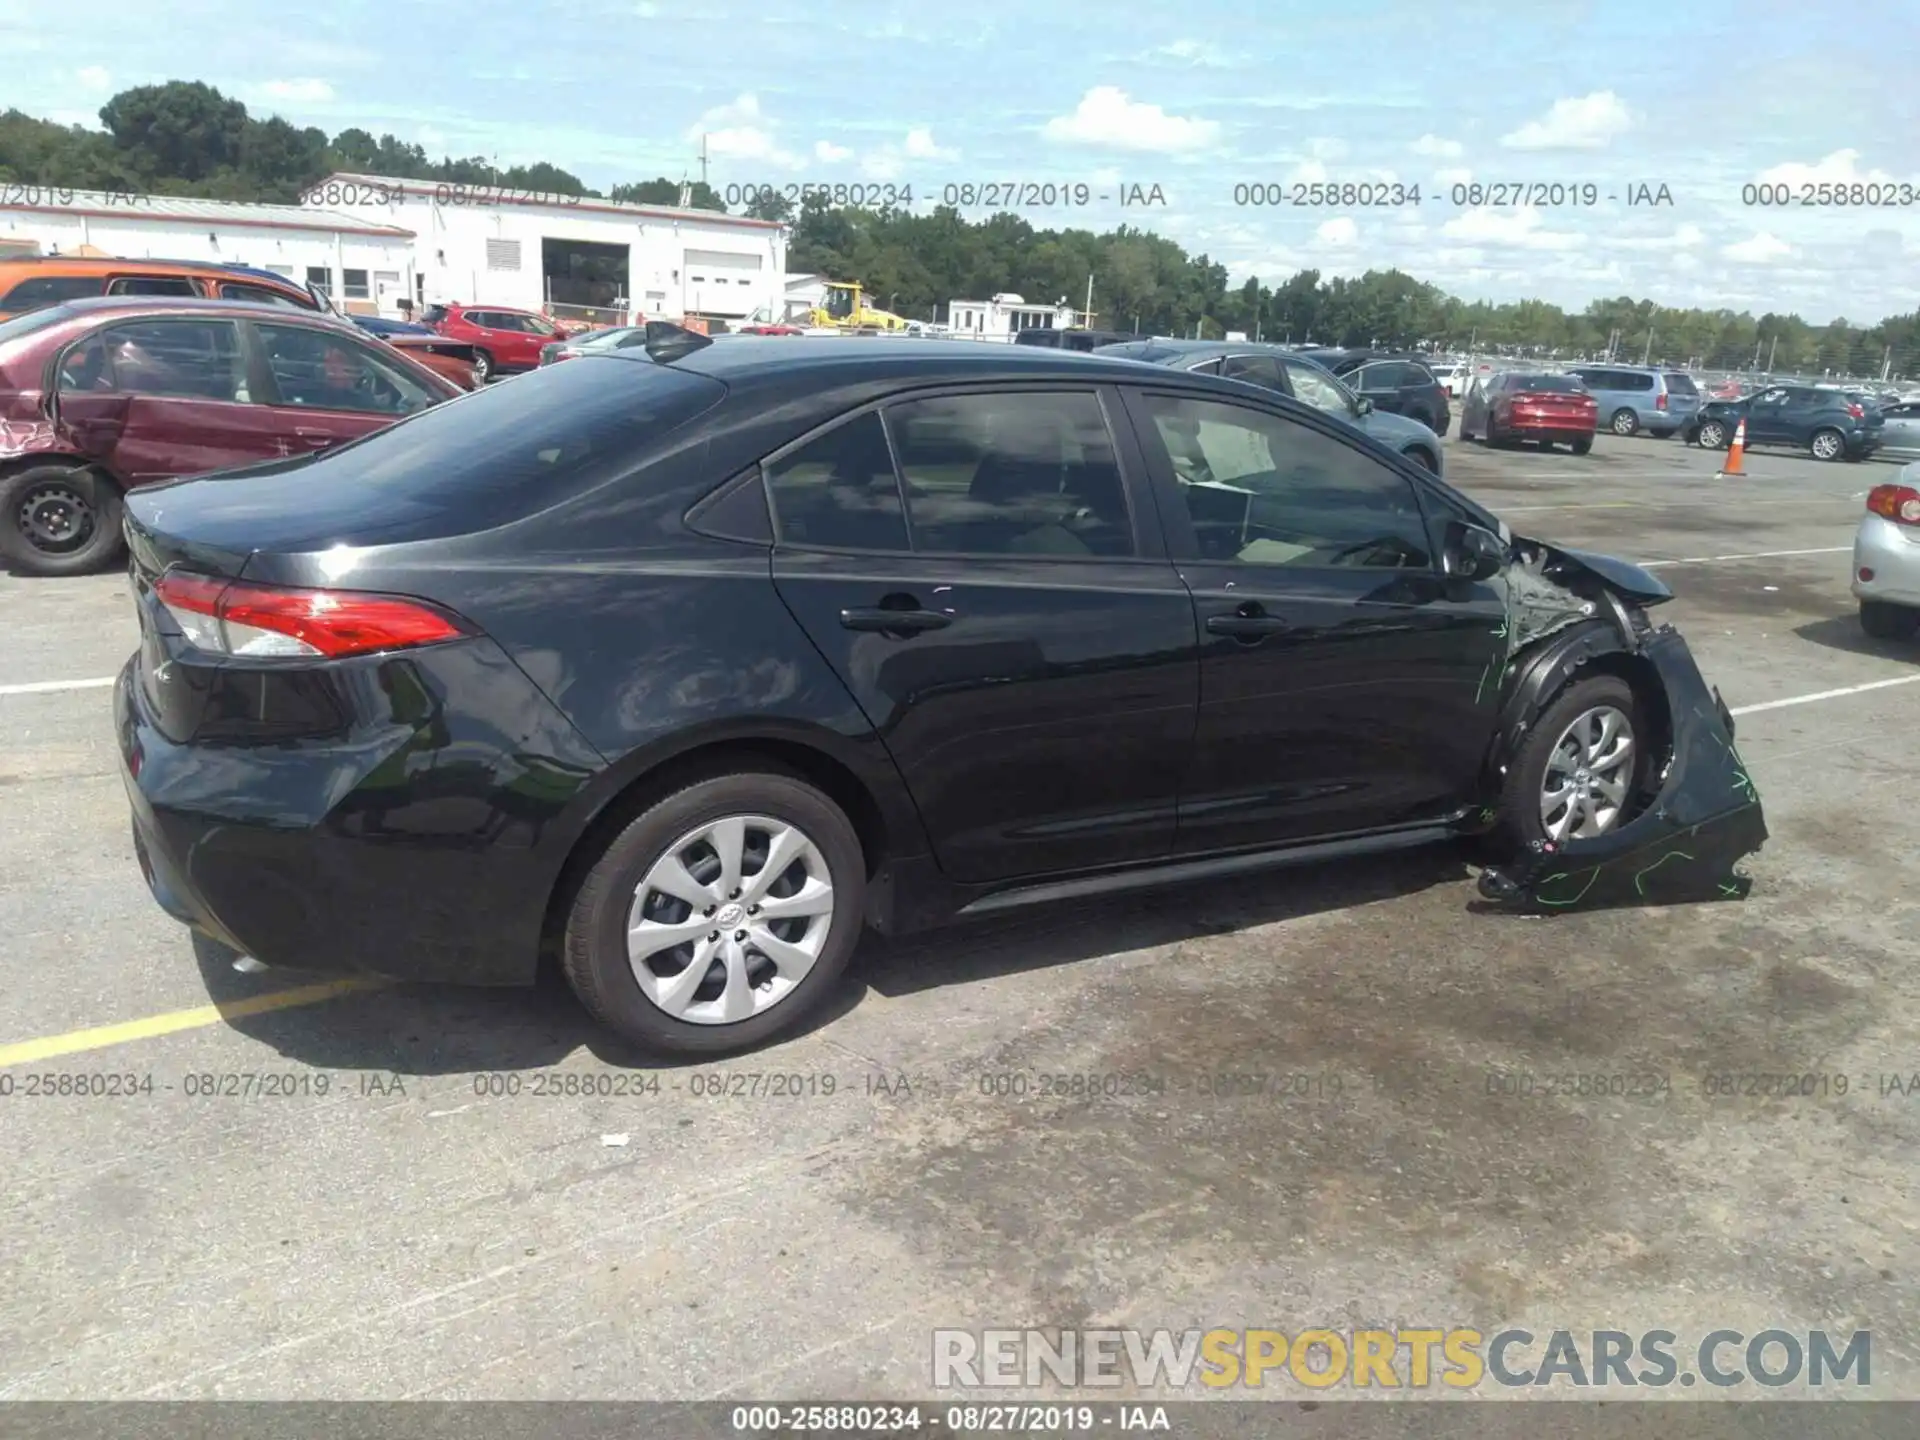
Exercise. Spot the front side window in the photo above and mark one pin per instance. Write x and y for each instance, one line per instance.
(184, 359)
(1262, 490)
(317, 371)
(259, 295)
(838, 491)
(1011, 474)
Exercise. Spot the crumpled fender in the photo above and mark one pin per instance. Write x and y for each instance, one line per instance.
(1684, 846)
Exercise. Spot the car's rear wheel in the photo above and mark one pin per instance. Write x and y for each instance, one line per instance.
(1884, 621)
(720, 917)
(1579, 769)
(482, 367)
(1713, 435)
(1583, 446)
(1624, 421)
(1827, 445)
(1423, 459)
(59, 520)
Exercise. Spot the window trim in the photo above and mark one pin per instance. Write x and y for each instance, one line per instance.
(1136, 488)
(1183, 545)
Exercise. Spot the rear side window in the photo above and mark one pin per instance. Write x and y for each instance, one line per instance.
(51, 290)
(1636, 380)
(1412, 373)
(181, 359)
(1011, 474)
(838, 491)
(1681, 385)
(151, 285)
(1262, 370)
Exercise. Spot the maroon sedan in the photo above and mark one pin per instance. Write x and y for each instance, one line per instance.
(97, 396)
(1523, 405)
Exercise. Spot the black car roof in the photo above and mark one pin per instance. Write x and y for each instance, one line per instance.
(854, 358)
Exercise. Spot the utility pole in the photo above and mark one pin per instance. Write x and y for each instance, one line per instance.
(1886, 364)
(1089, 315)
(1770, 353)
(703, 160)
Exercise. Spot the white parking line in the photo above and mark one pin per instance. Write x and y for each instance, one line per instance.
(1755, 555)
(42, 687)
(1824, 695)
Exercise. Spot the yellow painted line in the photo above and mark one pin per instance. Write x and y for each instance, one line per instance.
(74, 1042)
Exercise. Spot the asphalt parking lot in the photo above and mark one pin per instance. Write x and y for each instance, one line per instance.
(389, 1210)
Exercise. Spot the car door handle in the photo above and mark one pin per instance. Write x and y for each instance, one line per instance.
(885, 620)
(1246, 625)
(317, 439)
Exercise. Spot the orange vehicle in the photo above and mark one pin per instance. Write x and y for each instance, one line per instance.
(28, 282)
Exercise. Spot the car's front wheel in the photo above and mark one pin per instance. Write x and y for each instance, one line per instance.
(719, 917)
(59, 519)
(1579, 769)
(482, 367)
(1888, 622)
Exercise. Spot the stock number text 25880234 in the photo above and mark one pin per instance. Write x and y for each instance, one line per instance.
(1315, 194)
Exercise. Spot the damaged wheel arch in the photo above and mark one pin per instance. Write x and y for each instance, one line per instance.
(1697, 813)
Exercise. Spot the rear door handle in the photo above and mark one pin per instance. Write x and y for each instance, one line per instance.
(317, 439)
(881, 619)
(1246, 626)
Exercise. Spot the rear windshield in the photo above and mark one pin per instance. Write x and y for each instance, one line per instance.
(1557, 384)
(34, 320)
(1681, 385)
(547, 434)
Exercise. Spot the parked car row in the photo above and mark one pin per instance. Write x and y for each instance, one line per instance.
(1292, 373)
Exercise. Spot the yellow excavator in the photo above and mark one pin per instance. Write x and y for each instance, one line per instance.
(844, 307)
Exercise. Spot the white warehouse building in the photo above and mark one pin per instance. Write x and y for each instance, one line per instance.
(358, 260)
(479, 245)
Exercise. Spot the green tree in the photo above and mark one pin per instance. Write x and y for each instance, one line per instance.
(182, 131)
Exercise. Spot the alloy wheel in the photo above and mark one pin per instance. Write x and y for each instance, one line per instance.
(1713, 435)
(1584, 791)
(55, 518)
(1625, 422)
(1826, 445)
(730, 919)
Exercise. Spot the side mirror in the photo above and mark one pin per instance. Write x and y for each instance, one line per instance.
(1362, 406)
(1472, 553)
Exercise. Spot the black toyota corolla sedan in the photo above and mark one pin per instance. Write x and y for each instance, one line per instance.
(681, 664)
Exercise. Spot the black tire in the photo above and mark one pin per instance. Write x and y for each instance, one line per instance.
(1583, 446)
(1519, 821)
(1714, 435)
(1624, 422)
(1838, 444)
(1545, 445)
(36, 501)
(594, 953)
(482, 368)
(1884, 621)
(1423, 459)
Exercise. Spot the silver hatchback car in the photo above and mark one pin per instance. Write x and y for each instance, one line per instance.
(1886, 558)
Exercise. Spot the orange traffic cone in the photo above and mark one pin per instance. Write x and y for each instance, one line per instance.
(1736, 452)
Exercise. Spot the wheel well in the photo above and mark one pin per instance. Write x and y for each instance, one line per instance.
(55, 457)
(1644, 680)
(816, 767)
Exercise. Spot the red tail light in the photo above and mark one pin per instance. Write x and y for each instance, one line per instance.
(1660, 402)
(236, 618)
(1857, 412)
(1899, 503)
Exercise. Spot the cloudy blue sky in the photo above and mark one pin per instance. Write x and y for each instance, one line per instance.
(1703, 96)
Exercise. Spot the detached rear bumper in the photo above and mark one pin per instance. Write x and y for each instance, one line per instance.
(1685, 846)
